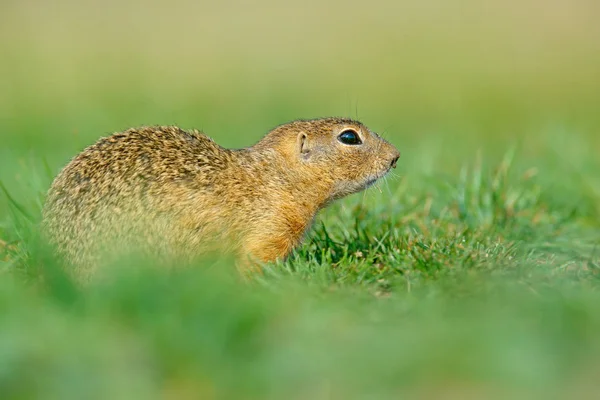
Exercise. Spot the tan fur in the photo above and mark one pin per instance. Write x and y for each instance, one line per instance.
(173, 193)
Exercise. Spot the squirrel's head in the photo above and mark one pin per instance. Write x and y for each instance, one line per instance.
(340, 153)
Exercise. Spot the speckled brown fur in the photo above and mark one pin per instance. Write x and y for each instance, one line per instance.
(174, 193)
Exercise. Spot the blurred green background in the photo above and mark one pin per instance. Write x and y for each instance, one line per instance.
(472, 273)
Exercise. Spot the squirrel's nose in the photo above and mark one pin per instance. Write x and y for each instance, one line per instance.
(395, 160)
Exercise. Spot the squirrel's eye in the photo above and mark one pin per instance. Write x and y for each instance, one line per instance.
(349, 137)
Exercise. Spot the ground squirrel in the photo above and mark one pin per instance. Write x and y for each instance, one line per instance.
(171, 192)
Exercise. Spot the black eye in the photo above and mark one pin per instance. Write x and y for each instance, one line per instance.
(349, 137)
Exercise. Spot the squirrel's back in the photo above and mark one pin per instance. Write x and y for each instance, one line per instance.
(122, 191)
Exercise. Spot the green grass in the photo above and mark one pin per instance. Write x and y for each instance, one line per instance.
(476, 282)
(473, 271)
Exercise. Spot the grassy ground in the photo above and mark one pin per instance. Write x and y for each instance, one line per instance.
(472, 272)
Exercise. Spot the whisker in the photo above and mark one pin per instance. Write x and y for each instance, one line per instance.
(395, 175)
(384, 132)
(387, 185)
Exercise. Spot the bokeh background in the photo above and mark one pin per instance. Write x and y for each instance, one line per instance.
(455, 85)
(424, 72)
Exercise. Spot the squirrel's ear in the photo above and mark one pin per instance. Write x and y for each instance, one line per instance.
(302, 145)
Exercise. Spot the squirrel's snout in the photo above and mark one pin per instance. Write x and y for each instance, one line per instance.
(395, 159)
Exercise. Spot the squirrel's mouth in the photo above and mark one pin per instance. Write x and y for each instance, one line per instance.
(371, 180)
(354, 187)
